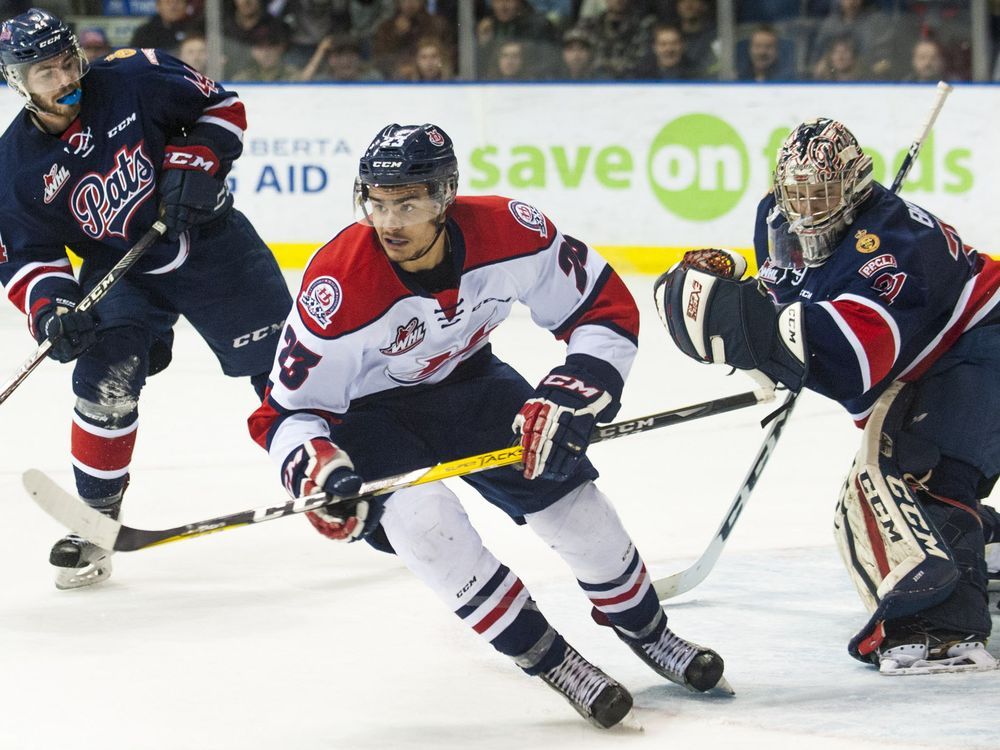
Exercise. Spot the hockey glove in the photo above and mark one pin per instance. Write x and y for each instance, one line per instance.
(716, 319)
(319, 466)
(554, 425)
(72, 332)
(191, 190)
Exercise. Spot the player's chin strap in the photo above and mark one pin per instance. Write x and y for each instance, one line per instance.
(895, 556)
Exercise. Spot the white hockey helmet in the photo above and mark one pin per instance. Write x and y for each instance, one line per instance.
(821, 178)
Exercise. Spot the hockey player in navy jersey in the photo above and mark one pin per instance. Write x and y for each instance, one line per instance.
(878, 304)
(385, 366)
(97, 155)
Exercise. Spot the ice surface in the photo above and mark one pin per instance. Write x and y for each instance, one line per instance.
(272, 637)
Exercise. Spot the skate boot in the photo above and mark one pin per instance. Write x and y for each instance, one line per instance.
(916, 651)
(79, 562)
(695, 667)
(595, 696)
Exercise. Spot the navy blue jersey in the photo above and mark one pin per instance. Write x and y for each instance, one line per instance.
(897, 293)
(93, 188)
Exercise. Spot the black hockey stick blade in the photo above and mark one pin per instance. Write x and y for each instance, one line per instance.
(111, 534)
(685, 580)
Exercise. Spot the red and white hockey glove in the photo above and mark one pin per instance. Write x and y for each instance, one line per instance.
(320, 466)
(555, 424)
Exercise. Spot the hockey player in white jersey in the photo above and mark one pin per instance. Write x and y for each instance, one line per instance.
(386, 366)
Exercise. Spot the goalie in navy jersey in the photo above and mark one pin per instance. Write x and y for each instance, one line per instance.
(385, 366)
(98, 154)
(878, 304)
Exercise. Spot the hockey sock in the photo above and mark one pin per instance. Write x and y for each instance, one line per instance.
(101, 446)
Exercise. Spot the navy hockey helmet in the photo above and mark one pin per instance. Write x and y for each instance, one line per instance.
(402, 155)
(821, 178)
(34, 37)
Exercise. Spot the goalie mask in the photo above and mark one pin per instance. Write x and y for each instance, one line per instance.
(39, 54)
(821, 178)
(402, 156)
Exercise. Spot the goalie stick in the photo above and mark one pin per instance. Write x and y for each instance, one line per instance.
(93, 297)
(111, 534)
(685, 580)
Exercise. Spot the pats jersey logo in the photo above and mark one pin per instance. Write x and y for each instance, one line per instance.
(103, 204)
(322, 299)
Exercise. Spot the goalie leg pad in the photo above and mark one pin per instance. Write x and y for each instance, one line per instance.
(894, 553)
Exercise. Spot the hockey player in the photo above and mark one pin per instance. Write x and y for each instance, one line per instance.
(385, 366)
(96, 156)
(876, 303)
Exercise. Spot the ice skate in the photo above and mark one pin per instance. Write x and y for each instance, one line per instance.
(697, 668)
(595, 696)
(930, 652)
(79, 562)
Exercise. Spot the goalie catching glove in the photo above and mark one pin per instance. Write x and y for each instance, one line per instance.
(192, 188)
(554, 426)
(714, 316)
(320, 466)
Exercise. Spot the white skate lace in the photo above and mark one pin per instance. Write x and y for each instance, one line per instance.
(577, 678)
(672, 653)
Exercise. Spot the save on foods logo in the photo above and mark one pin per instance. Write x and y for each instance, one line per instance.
(698, 167)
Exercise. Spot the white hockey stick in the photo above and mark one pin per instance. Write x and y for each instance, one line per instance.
(687, 579)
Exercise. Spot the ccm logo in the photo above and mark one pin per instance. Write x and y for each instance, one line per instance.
(184, 160)
(571, 384)
(694, 300)
(389, 164)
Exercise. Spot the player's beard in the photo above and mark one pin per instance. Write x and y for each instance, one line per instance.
(50, 106)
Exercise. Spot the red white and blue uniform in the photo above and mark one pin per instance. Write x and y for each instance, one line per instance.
(400, 377)
(93, 189)
(902, 298)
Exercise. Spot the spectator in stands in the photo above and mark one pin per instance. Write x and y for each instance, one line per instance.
(368, 15)
(516, 20)
(761, 59)
(667, 60)
(870, 29)
(168, 28)
(194, 52)
(432, 62)
(239, 27)
(310, 22)
(395, 40)
(927, 63)
(268, 46)
(338, 58)
(840, 62)
(510, 63)
(94, 43)
(696, 20)
(622, 37)
(577, 63)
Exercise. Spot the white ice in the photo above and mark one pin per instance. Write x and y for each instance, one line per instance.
(273, 637)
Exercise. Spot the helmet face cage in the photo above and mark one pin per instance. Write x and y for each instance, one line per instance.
(822, 176)
(402, 156)
(34, 37)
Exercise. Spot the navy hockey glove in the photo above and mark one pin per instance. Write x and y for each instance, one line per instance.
(555, 424)
(320, 466)
(712, 318)
(72, 332)
(191, 190)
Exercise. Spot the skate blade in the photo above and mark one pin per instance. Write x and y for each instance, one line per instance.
(629, 723)
(76, 578)
(722, 687)
(888, 669)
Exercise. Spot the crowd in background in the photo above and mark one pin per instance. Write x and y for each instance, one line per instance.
(520, 40)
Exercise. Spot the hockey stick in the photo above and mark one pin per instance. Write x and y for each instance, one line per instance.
(93, 297)
(111, 534)
(685, 580)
